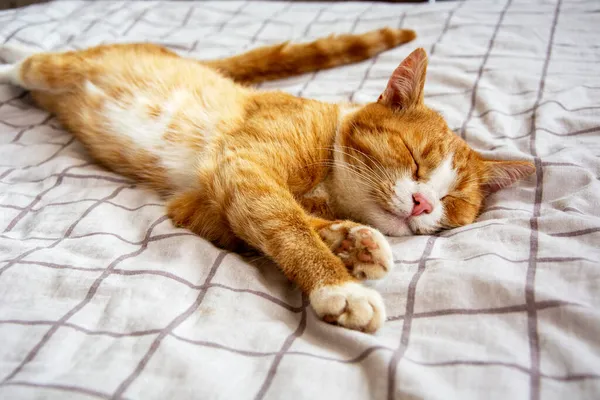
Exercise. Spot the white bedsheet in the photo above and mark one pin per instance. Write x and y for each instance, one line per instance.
(100, 296)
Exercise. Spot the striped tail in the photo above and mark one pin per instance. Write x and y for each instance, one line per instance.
(288, 59)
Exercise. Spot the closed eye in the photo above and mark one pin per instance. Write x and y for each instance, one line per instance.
(416, 170)
(416, 164)
(416, 173)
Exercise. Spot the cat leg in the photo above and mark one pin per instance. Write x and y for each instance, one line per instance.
(318, 206)
(274, 223)
(365, 251)
(194, 210)
(11, 53)
(9, 74)
(267, 217)
(9, 69)
(50, 72)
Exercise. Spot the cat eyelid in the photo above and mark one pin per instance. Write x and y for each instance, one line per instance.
(416, 174)
(416, 169)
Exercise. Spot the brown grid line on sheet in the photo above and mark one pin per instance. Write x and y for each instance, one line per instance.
(535, 260)
(532, 314)
(463, 128)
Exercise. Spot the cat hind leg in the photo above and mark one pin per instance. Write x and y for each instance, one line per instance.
(48, 72)
(10, 56)
(12, 53)
(9, 74)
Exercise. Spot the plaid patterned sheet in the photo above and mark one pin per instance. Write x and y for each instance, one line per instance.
(101, 297)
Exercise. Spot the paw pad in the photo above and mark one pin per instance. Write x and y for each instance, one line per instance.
(364, 250)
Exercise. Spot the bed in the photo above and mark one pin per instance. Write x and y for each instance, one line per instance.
(102, 297)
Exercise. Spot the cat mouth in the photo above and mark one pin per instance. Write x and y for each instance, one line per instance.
(394, 222)
(395, 213)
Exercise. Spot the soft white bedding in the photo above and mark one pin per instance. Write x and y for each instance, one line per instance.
(100, 296)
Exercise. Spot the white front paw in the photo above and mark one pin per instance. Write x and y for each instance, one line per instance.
(350, 305)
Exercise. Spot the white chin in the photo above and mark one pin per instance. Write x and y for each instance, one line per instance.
(391, 226)
(400, 230)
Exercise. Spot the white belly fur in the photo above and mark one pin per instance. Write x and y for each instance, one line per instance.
(130, 120)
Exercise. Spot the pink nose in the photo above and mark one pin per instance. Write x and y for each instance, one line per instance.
(421, 205)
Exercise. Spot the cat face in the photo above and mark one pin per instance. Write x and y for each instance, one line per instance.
(401, 169)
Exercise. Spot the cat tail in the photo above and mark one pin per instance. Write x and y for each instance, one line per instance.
(289, 59)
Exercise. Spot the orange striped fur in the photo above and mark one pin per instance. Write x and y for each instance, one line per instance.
(294, 178)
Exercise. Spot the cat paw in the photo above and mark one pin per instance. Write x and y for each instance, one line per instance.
(364, 250)
(8, 74)
(350, 305)
(11, 53)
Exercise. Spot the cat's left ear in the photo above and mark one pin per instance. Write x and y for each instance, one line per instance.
(500, 174)
(405, 87)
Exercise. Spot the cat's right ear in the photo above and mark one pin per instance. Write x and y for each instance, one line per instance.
(405, 87)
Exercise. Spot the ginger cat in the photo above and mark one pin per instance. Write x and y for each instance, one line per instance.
(294, 178)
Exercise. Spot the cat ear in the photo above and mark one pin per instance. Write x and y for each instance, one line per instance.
(405, 87)
(500, 174)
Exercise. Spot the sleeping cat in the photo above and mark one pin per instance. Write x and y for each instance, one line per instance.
(315, 186)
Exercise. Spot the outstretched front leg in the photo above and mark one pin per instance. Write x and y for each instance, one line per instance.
(262, 212)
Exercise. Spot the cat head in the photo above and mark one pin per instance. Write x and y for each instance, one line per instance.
(401, 169)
